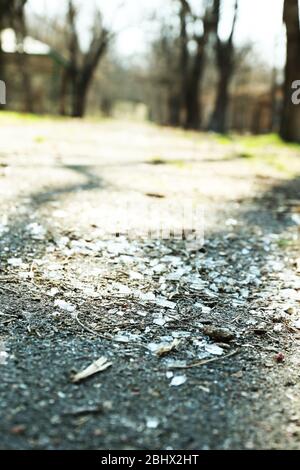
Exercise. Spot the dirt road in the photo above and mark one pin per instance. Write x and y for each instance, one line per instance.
(203, 341)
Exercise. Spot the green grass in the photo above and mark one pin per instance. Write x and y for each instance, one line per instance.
(39, 139)
(269, 151)
(284, 243)
(285, 163)
(179, 163)
(15, 117)
(223, 139)
(246, 155)
(264, 151)
(255, 142)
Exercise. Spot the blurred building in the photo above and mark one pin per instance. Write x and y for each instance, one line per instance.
(33, 74)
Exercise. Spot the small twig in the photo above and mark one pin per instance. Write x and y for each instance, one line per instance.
(206, 361)
(109, 338)
(5, 322)
(92, 331)
(7, 289)
(83, 411)
(8, 315)
(235, 319)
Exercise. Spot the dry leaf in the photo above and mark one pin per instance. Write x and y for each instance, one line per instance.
(164, 348)
(98, 366)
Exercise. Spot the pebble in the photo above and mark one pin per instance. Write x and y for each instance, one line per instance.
(219, 334)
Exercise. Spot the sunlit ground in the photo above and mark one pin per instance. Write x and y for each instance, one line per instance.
(63, 183)
(96, 165)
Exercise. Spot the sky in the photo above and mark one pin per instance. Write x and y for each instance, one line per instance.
(260, 22)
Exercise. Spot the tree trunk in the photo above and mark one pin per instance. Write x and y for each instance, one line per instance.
(184, 62)
(174, 110)
(226, 65)
(290, 119)
(193, 105)
(65, 78)
(196, 71)
(81, 76)
(79, 99)
(193, 119)
(79, 106)
(18, 21)
(219, 117)
(274, 104)
(28, 98)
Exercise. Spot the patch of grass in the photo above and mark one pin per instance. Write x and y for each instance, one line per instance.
(256, 142)
(277, 162)
(39, 139)
(15, 117)
(286, 164)
(246, 155)
(284, 243)
(269, 151)
(179, 163)
(223, 139)
(262, 141)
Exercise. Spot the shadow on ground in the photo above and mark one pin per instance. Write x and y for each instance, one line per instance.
(234, 403)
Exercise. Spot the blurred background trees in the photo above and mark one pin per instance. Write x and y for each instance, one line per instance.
(225, 63)
(191, 74)
(12, 15)
(81, 66)
(290, 122)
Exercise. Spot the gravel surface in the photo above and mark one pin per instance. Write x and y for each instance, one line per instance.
(202, 339)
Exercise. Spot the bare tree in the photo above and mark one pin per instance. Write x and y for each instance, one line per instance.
(12, 14)
(193, 63)
(19, 24)
(164, 78)
(177, 63)
(4, 15)
(290, 122)
(82, 65)
(7, 12)
(194, 111)
(225, 61)
(185, 10)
